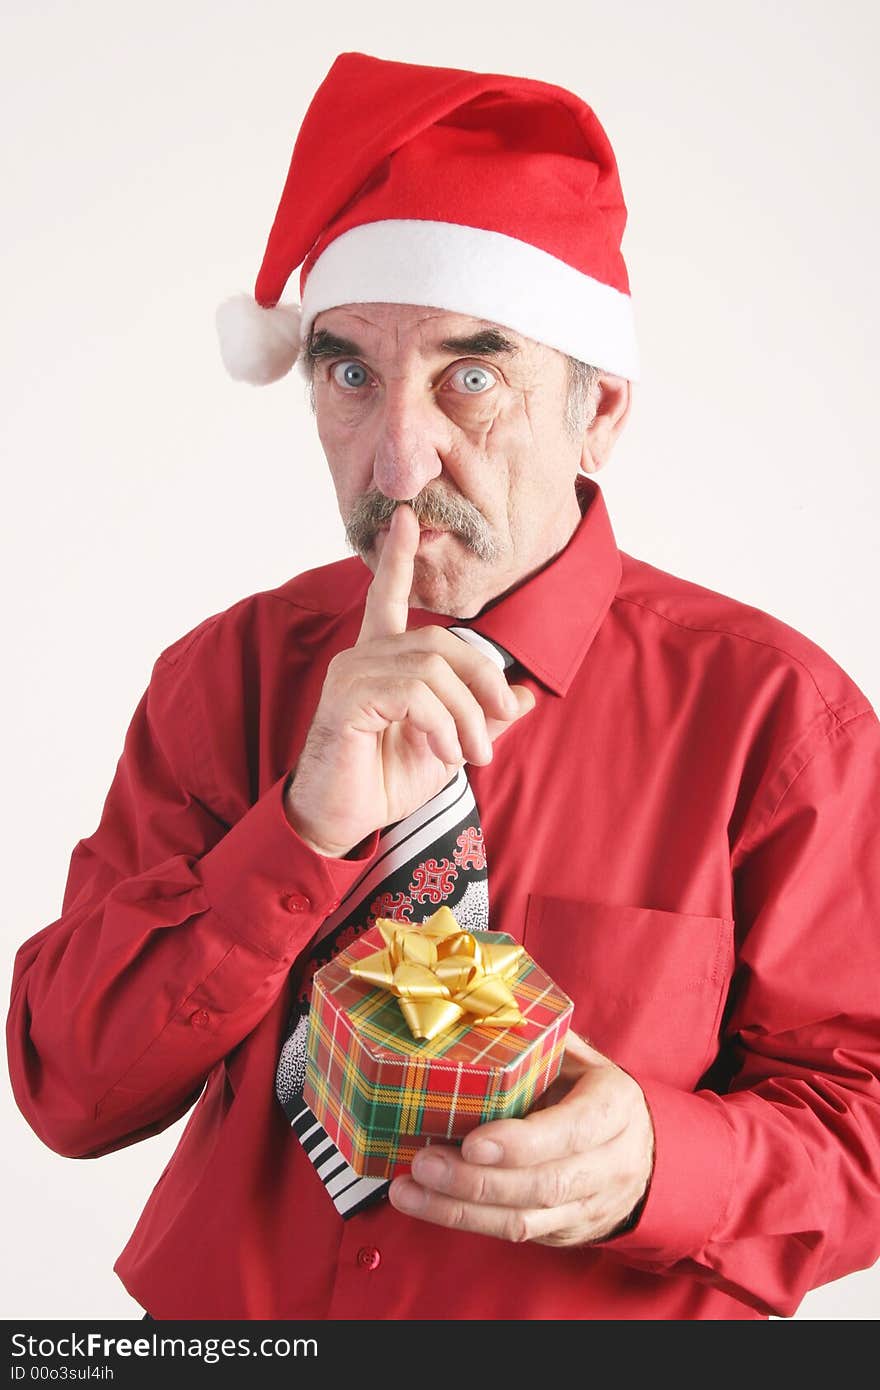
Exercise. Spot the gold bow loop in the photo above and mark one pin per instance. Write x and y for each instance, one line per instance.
(439, 973)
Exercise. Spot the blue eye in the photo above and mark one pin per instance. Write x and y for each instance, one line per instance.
(472, 381)
(350, 375)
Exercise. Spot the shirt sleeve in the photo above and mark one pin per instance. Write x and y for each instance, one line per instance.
(767, 1183)
(176, 935)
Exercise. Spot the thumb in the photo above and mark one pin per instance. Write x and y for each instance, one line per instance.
(525, 700)
(579, 1056)
(578, 1059)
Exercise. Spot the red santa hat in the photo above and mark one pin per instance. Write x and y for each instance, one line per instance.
(496, 197)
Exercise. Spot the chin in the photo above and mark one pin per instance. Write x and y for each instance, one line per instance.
(444, 594)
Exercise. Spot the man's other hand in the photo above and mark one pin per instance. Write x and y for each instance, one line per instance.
(569, 1173)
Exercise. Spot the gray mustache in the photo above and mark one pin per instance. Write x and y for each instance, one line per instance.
(434, 508)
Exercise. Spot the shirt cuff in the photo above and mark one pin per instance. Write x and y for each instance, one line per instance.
(691, 1180)
(271, 888)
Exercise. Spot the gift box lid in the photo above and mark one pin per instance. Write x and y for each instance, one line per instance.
(374, 1015)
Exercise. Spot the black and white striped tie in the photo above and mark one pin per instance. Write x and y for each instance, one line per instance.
(433, 857)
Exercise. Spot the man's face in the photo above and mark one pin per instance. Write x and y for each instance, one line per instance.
(465, 420)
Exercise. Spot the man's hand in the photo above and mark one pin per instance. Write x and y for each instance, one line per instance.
(569, 1173)
(398, 714)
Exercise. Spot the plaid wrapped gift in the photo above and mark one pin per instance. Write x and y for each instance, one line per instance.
(381, 1094)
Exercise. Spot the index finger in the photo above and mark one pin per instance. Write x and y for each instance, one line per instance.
(386, 610)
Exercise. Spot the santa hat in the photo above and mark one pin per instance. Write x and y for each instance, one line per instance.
(496, 197)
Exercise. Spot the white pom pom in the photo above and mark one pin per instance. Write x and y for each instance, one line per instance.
(257, 345)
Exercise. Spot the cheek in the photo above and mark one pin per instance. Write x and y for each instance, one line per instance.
(338, 417)
(528, 467)
(343, 421)
(510, 450)
(541, 451)
(349, 456)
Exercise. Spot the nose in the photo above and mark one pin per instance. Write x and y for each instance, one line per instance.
(410, 443)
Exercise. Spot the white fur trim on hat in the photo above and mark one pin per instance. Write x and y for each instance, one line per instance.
(486, 275)
(257, 345)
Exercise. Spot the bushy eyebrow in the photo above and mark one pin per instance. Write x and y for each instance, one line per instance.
(324, 344)
(488, 342)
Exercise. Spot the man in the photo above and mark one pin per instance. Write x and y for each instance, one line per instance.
(676, 793)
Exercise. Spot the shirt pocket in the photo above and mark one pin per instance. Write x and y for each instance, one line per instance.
(648, 986)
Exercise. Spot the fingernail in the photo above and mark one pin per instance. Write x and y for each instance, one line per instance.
(431, 1169)
(484, 1151)
(406, 1195)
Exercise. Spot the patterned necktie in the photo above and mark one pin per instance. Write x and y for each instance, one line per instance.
(433, 856)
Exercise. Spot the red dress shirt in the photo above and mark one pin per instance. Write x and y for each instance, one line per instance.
(684, 832)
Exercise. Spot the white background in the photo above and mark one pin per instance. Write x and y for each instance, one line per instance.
(144, 152)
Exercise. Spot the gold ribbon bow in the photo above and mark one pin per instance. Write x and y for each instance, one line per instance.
(439, 973)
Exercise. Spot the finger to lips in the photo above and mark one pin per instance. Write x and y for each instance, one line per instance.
(493, 704)
(386, 610)
(496, 705)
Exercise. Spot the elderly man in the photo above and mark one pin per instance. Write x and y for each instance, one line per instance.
(673, 796)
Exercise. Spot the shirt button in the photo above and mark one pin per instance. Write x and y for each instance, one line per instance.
(199, 1019)
(368, 1257)
(296, 902)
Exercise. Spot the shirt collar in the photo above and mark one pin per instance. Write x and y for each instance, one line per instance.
(548, 622)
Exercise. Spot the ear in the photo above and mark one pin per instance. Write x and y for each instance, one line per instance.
(612, 397)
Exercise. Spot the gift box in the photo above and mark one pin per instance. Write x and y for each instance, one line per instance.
(382, 1093)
